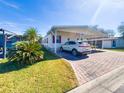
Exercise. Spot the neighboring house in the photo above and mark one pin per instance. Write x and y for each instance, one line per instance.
(10, 40)
(116, 42)
(119, 42)
(61, 34)
(1, 40)
(7, 39)
(108, 42)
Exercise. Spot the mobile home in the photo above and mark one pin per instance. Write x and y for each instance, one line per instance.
(60, 34)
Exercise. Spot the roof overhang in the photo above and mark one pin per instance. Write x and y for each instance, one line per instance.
(85, 31)
(103, 39)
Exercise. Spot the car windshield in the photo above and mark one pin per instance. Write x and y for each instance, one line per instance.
(72, 42)
(82, 42)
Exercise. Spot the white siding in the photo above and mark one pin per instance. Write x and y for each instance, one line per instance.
(107, 44)
(48, 45)
(64, 38)
(120, 42)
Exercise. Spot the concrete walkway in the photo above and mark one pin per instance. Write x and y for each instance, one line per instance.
(112, 82)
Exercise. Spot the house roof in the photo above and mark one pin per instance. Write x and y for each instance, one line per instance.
(86, 31)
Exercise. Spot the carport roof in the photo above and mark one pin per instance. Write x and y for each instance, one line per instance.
(86, 31)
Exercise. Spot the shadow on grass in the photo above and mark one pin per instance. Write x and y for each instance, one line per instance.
(6, 67)
(10, 66)
(49, 55)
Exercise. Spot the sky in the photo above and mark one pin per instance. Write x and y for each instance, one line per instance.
(18, 15)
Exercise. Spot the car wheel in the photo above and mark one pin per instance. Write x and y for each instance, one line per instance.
(74, 52)
(61, 49)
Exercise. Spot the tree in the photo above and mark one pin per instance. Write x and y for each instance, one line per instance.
(31, 35)
(110, 33)
(27, 51)
(121, 29)
(40, 38)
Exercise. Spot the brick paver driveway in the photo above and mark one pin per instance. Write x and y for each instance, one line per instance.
(96, 64)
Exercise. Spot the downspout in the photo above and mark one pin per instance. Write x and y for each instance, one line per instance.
(55, 50)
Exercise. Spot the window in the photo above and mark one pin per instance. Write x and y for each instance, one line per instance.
(80, 42)
(72, 43)
(68, 39)
(47, 40)
(53, 39)
(66, 43)
(113, 43)
(58, 39)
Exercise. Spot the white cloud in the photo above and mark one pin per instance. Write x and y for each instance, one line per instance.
(13, 27)
(116, 3)
(81, 6)
(9, 4)
(106, 5)
(77, 5)
(20, 28)
(98, 10)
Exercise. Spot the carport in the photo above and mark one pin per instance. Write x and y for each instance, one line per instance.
(85, 33)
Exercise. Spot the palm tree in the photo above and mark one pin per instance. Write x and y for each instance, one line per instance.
(31, 35)
(27, 51)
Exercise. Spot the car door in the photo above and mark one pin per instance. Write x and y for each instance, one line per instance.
(65, 46)
(71, 45)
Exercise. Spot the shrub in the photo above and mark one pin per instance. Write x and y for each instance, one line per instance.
(25, 52)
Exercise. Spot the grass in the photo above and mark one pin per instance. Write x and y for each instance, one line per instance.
(52, 75)
(117, 49)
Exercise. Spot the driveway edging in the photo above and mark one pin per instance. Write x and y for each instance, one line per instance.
(73, 70)
(71, 66)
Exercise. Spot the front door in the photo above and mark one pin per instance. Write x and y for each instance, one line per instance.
(113, 43)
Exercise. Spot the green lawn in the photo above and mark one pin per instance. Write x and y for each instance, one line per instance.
(117, 49)
(53, 75)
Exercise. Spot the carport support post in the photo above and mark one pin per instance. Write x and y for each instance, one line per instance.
(95, 43)
(4, 48)
(55, 41)
(102, 44)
